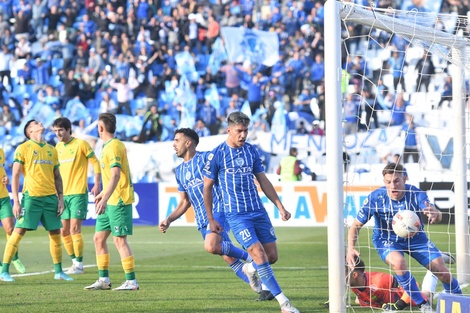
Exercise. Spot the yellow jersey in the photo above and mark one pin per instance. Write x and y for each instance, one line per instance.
(39, 161)
(73, 158)
(114, 155)
(3, 188)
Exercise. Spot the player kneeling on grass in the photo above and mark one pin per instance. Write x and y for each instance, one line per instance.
(190, 185)
(382, 204)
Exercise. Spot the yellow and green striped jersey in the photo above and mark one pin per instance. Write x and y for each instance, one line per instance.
(114, 155)
(39, 161)
(73, 158)
(3, 188)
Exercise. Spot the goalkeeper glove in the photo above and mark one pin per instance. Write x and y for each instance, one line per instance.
(397, 306)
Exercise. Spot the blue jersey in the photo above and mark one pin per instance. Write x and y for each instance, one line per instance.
(379, 205)
(190, 180)
(234, 169)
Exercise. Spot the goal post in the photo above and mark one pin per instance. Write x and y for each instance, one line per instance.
(336, 12)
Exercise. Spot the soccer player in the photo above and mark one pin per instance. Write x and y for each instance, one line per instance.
(234, 165)
(74, 155)
(6, 211)
(42, 201)
(113, 207)
(382, 204)
(190, 185)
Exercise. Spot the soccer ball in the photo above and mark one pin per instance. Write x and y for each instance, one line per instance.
(406, 223)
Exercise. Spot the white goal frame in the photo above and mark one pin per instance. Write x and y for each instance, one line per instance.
(334, 12)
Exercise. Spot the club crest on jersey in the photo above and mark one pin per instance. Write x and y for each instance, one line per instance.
(35, 153)
(188, 175)
(365, 201)
(239, 161)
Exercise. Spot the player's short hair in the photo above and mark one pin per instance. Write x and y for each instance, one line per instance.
(238, 118)
(63, 122)
(109, 121)
(25, 130)
(190, 133)
(292, 150)
(393, 168)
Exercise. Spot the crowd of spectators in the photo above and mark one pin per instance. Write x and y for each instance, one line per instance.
(81, 58)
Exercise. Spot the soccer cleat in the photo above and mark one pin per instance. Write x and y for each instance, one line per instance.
(389, 307)
(99, 285)
(448, 258)
(265, 295)
(19, 266)
(62, 276)
(425, 307)
(287, 307)
(326, 304)
(252, 278)
(128, 285)
(74, 270)
(6, 277)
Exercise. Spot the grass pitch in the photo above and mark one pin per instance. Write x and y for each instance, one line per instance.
(175, 274)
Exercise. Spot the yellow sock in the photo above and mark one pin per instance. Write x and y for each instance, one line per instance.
(102, 261)
(128, 264)
(55, 247)
(78, 245)
(11, 247)
(68, 245)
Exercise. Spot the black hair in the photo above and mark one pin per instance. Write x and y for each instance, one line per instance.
(63, 122)
(190, 133)
(26, 127)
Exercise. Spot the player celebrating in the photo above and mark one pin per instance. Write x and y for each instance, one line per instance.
(74, 155)
(114, 207)
(190, 184)
(42, 200)
(382, 204)
(234, 165)
(6, 211)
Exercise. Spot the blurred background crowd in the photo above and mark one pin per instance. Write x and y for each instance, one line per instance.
(80, 58)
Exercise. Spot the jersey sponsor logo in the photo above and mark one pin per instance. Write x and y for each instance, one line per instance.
(66, 161)
(49, 162)
(194, 183)
(239, 170)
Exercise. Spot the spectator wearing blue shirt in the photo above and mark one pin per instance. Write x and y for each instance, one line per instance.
(142, 12)
(41, 73)
(200, 90)
(446, 94)
(291, 23)
(350, 114)
(397, 65)
(398, 111)
(302, 104)
(317, 71)
(24, 75)
(411, 143)
(208, 114)
(255, 92)
(201, 129)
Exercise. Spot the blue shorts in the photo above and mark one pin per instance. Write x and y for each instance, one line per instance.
(419, 247)
(251, 227)
(219, 217)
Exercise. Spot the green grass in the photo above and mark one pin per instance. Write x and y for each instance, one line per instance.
(175, 274)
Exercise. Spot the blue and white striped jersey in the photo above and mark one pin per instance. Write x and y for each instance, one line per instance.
(233, 169)
(190, 180)
(379, 205)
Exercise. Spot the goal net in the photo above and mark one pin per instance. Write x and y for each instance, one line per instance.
(401, 78)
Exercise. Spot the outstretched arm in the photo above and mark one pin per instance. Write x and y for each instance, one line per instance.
(271, 193)
(181, 208)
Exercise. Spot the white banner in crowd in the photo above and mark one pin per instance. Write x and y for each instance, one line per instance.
(259, 47)
(154, 162)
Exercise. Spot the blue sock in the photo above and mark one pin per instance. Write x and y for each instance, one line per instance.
(229, 249)
(453, 287)
(265, 273)
(408, 282)
(237, 268)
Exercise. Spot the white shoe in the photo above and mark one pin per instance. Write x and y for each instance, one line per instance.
(426, 308)
(128, 285)
(253, 278)
(74, 270)
(287, 307)
(99, 285)
(448, 258)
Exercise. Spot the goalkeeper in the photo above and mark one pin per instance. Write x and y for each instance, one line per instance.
(382, 204)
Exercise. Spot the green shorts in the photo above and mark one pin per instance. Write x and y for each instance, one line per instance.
(76, 206)
(6, 209)
(117, 219)
(39, 209)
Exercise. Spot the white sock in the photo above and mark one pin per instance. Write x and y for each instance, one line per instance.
(281, 298)
(429, 282)
(79, 264)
